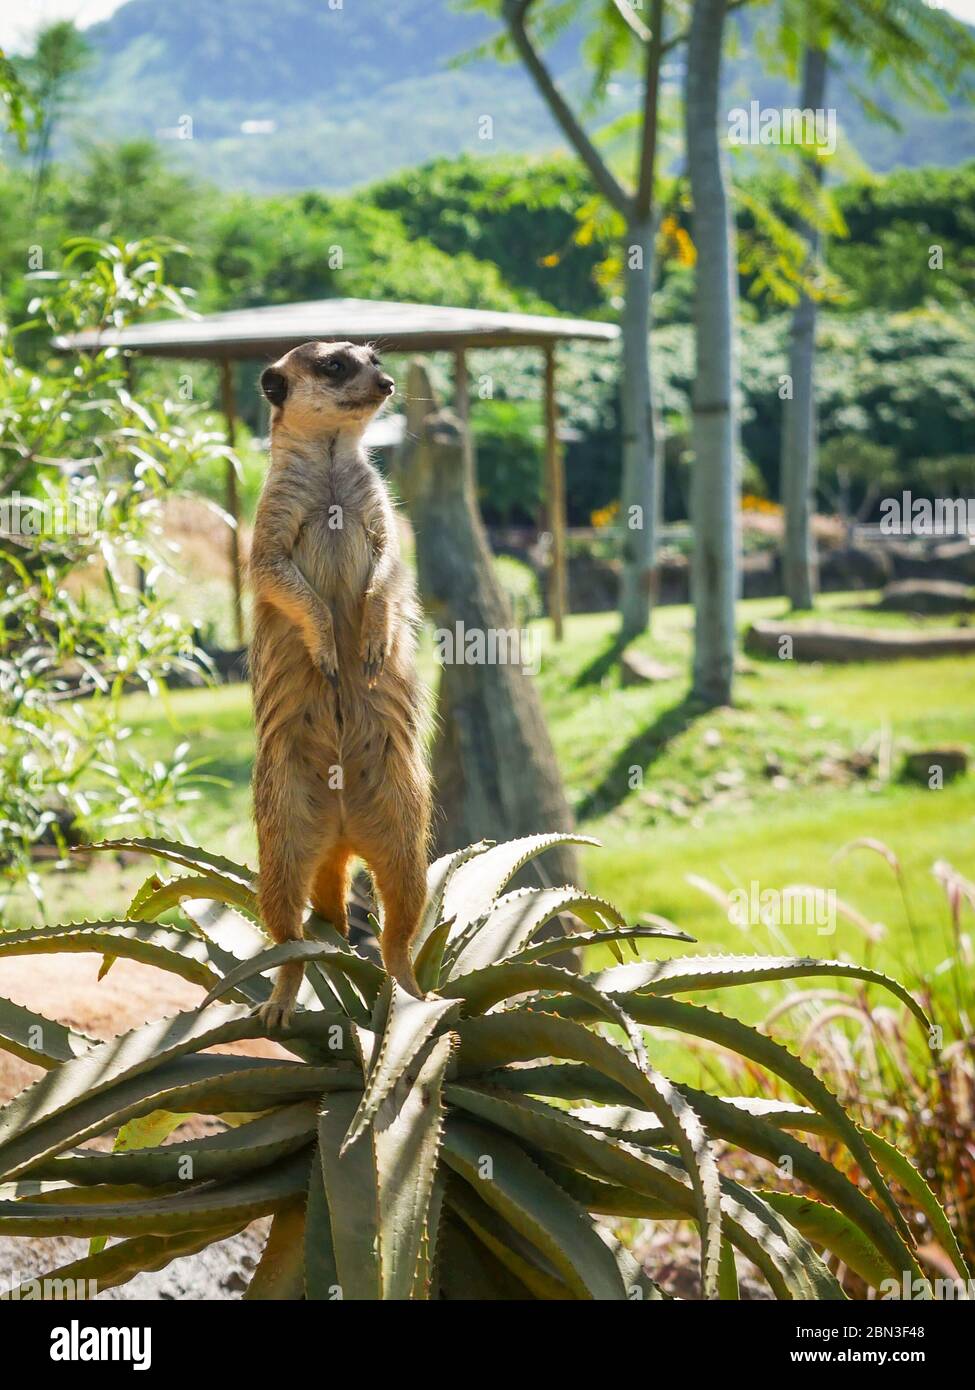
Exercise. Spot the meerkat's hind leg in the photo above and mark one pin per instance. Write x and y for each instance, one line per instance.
(330, 886)
(399, 872)
(287, 853)
(275, 1013)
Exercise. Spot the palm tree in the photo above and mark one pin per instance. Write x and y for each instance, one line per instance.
(798, 468)
(714, 487)
(925, 51)
(636, 207)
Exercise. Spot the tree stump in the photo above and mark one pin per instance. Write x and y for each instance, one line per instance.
(494, 766)
(829, 642)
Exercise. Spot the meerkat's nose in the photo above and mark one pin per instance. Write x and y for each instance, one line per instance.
(387, 384)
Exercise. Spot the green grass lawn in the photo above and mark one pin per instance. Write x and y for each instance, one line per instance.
(765, 792)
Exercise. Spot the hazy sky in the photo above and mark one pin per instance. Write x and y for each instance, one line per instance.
(19, 18)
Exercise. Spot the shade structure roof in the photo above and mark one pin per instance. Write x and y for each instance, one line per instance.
(273, 329)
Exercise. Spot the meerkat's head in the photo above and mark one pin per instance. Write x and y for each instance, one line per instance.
(321, 387)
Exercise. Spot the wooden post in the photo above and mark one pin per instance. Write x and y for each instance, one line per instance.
(462, 405)
(231, 502)
(555, 501)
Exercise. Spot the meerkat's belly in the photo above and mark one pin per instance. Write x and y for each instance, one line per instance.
(335, 556)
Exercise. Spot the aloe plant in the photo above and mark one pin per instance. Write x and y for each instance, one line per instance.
(460, 1146)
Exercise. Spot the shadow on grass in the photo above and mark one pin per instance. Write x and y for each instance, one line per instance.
(642, 751)
(602, 663)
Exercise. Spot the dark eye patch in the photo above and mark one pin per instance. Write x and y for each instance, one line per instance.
(333, 368)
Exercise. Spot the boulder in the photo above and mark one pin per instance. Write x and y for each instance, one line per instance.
(927, 596)
(942, 764)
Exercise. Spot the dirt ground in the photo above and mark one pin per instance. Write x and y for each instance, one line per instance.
(66, 987)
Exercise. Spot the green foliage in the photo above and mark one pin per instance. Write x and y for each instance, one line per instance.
(422, 1148)
(905, 381)
(84, 470)
(519, 214)
(520, 585)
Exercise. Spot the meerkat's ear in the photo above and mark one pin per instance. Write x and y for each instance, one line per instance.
(274, 384)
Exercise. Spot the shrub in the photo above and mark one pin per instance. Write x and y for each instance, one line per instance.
(457, 1146)
(85, 468)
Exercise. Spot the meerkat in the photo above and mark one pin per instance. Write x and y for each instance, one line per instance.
(340, 770)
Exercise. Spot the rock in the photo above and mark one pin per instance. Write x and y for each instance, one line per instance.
(927, 596)
(636, 668)
(935, 766)
(853, 567)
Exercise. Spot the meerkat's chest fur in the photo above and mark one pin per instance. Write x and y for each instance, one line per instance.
(338, 497)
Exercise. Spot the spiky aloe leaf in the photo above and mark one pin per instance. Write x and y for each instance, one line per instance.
(407, 1140)
(647, 1183)
(496, 1239)
(698, 1021)
(404, 1025)
(479, 990)
(470, 1273)
(827, 1227)
(368, 976)
(439, 875)
(241, 1200)
(474, 885)
(353, 1000)
(889, 1158)
(85, 1077)
(157, 896)
(683, 974)
(146, 1132)
(728, 1274)
(514, 1036)
(755, 1135)
(202, 861)
(210, 1084)
(37, 1039)
(514, 919)
(604, 937)
(561, 1081)
(353, 1199)
(123, 1261)
(505, 1178)
(228, 1154)
(429, 958)
(321, 1276)
(637, 1284)
(170, 950)
(280, 1272)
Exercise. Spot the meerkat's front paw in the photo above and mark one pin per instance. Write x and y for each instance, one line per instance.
(327, 661)
(373, 653)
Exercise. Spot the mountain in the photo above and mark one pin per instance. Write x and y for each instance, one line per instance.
(279, 94)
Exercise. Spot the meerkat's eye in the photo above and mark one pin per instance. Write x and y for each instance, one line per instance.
(335, 368)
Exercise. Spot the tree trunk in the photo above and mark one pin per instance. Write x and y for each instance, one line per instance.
(493, 763)
(714, 486)
(798, 467)
(639, 491)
